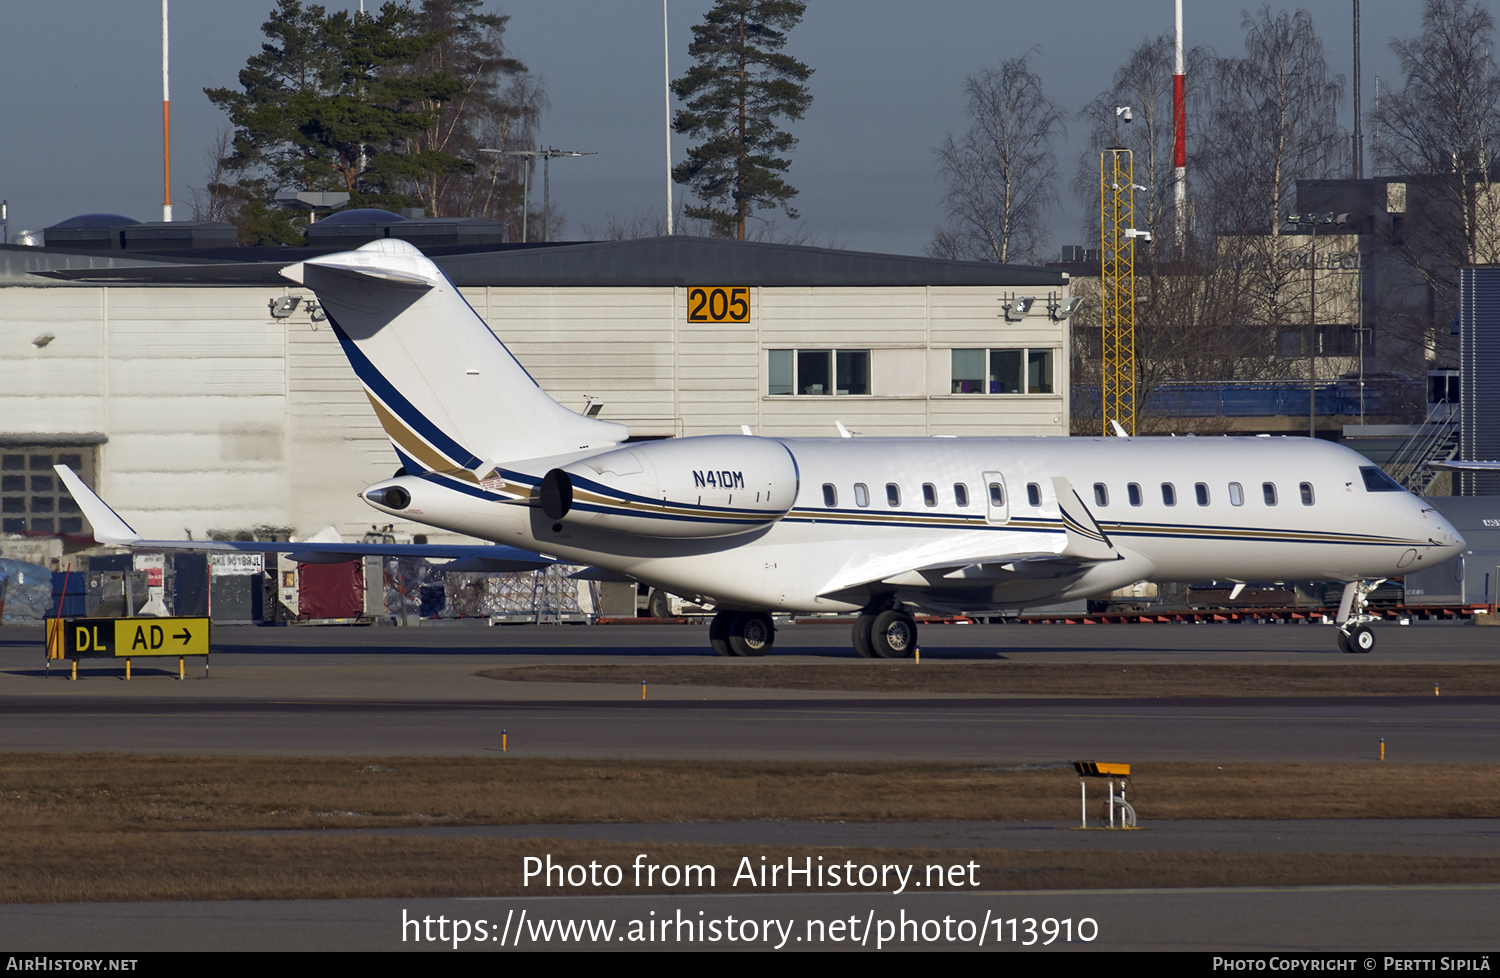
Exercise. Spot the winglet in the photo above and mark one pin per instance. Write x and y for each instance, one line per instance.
(1086, 539)
(1119, 431)
(108, 527)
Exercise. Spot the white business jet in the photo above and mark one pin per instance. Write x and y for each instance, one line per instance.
(877, 526)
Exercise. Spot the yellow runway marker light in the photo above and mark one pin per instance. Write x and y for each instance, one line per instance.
(504, 736)
(643, 689)
(1382, 748)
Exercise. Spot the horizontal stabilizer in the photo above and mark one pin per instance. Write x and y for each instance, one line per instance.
(111, 529)
(1462, 466)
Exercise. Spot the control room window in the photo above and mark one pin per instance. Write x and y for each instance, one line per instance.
(1307, 493)
(1236, 494)
(1268, 492)
(1005, 371)
(817, 372)
(31, 495)
(780, 371)
(1019, 371)
(960, 494)
(1201, 489)
(1039, 371)
(1168, 494)
(892, 494)
(814, 372)
(929, 494)
(861, 494)
(968, 371)
(1101, 494)
(1134, 492)
(1033, 494)
(852, 371)
(830, 495)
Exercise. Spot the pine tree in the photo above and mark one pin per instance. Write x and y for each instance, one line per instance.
(740, 84)
(332, 103)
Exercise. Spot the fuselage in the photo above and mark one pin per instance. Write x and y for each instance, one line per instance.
(869, 512)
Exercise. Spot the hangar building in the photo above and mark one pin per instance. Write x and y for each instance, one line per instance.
(195, 394)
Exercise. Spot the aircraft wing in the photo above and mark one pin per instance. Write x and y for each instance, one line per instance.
(1079, 543)
(1460, 466)
(110, 528)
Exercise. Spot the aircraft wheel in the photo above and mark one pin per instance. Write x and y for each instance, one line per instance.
(1344, 641)
(751, 633)
(894, 635)
(718, 633)
(863, 626)
(1361, 638)
(658, 605)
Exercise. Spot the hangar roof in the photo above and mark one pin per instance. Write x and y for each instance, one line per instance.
(665, 261)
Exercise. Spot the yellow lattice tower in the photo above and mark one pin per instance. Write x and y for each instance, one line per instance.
(1117, 287)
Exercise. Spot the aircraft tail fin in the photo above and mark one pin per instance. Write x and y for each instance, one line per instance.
(449, 394)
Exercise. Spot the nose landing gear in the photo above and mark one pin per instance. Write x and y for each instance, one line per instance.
(1354, 620)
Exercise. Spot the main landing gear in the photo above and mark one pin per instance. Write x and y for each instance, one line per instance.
(888, 635)
(741, 633)
(1353, 620)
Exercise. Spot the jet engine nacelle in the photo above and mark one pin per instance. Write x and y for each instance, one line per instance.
(710, 486)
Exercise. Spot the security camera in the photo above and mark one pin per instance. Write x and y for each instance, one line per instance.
(1123, 111)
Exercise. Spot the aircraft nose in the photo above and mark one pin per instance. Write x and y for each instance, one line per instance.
(1444, 535)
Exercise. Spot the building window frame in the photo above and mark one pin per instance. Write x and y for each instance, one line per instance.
(847, 370)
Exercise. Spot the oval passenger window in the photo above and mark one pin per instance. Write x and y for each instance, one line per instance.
(997, 494)
(861, 494)
(830, 495)
(960, 494)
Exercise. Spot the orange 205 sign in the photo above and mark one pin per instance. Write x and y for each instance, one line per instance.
(718, 305)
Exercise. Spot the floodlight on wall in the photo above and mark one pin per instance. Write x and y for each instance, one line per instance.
(43, 340)
(315, 311)
(283, 307)
(1062, 311)
(1016, 309)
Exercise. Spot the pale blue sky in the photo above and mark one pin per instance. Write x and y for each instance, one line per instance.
(82, 83)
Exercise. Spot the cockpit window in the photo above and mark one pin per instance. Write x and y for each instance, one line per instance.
(1377, 481)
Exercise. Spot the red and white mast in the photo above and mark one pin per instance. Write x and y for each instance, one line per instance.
(1179, 124)
(166, 123)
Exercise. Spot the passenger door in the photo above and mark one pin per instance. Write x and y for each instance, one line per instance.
(996, 498)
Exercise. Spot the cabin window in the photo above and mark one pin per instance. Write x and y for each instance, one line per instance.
(1268, 490)
(861, 494)
(960, 494)
(1033, 494)
(1236, 494)
(997, 494)
(1101, 494)
(1134, 492)
(818, 372)
(1307, 493)
(830, 495)
(1202, 490)
(892, 494)
(1168, 494)
(929, 494)
(1377, 481)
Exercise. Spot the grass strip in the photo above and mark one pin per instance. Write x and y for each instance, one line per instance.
(999, 677)
(101, 793)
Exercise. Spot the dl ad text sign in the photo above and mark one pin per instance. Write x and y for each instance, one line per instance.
(125, 638)
(718, 305)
